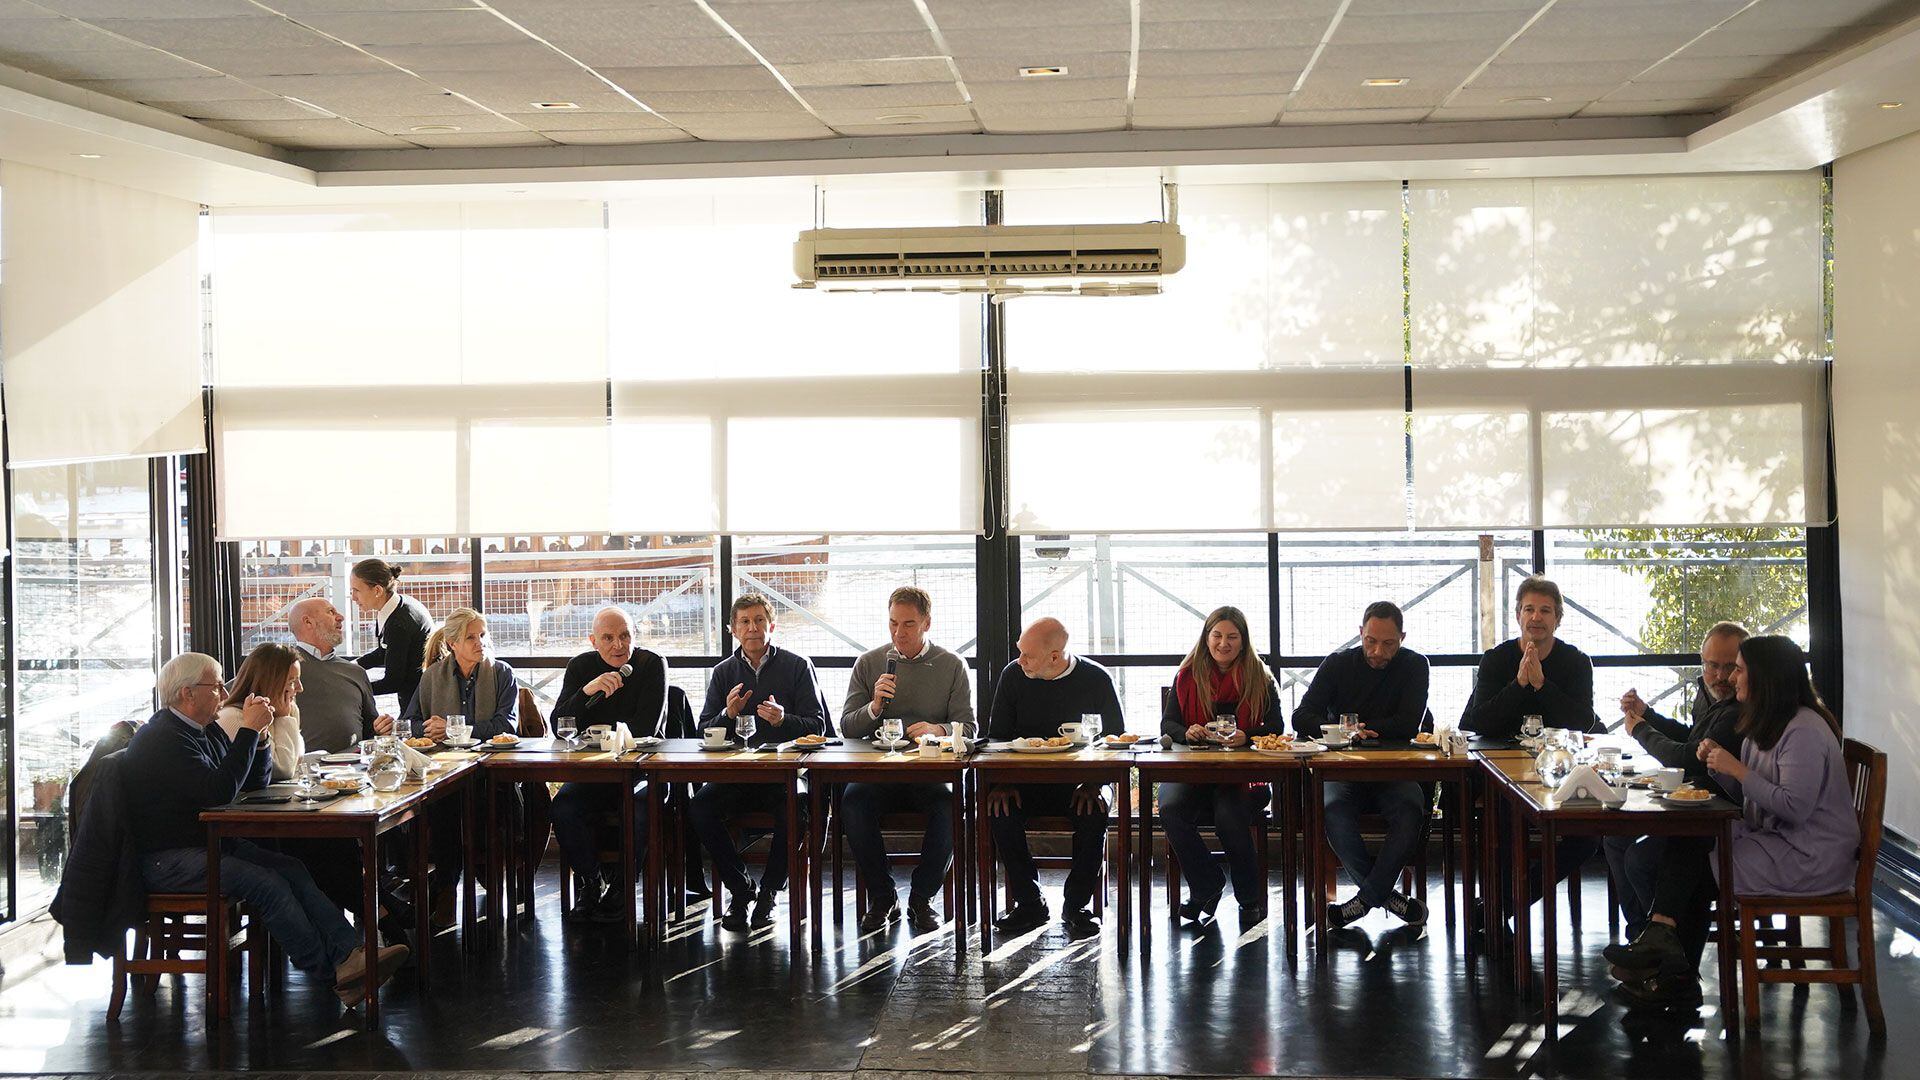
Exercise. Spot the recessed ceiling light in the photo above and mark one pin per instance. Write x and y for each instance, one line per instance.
(1385, 82)
(1041, 72)
(90, 157)
(434, 129)
(1891, 104)
(554, 105)
(1478, 168)
(1536, 100)
(900, 117)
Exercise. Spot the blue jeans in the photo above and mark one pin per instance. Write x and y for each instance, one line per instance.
(1230, 809)
(278, 889)
(1406, 806)
(865, 804)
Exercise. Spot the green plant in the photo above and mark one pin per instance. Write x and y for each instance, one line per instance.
(1697, 577)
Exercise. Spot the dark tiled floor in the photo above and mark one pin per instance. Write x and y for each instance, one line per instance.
(1388, 1002)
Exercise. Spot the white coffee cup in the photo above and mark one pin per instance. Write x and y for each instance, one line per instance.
(604, 737)
(1667, 779)
(716, 736)
(1072, 730)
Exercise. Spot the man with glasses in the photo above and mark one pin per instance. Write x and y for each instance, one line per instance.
(1634, 861)
(180, 763)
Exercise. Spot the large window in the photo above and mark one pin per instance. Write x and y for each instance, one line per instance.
(85, 640)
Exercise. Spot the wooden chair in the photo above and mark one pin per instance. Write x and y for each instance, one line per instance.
(1054, 825)
(1867, 774)
(175, 925)
(534, 822)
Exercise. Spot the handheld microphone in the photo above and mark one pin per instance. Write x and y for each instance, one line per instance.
(893, 665)
(626, 672)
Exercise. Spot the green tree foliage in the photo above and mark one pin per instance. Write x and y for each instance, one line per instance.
(1697, 577)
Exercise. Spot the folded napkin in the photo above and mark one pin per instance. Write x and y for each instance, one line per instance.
(417, 762)
(1586, 783)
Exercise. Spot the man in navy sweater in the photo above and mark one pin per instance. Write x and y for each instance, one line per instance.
(781, 692)
(1047, 686)
(1386, 686)
(180, 763)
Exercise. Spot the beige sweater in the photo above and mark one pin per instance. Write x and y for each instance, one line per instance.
(282, 737)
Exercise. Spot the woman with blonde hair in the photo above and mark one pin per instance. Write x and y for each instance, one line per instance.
(1222, 677)
(270, 674)
(463, 678)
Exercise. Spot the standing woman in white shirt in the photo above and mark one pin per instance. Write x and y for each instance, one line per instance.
(403, 625)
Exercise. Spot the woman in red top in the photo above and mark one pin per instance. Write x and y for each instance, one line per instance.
(1222, 676)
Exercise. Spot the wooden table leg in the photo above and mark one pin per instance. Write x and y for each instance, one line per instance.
(1448, 824)
(1549, 934)
(958, 792)
(1729, 999)
(796, 905)
(370, 923)
(1144, 916)
(1123, 798)
(422, 913)
(983, 869)
(469, 856)
(1292, 826)
(816, 835)
(832, 833)
(656, 806)
(496, 898)
(216, 932)
(1522, 905)
(1316, 842)
(1463, 811)
(629, 898)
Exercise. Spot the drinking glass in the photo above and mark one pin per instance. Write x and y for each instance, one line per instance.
(304, 773)
(1530, 726)
(1350, 726)
(1222, 729)
(457, 720)
(567, 728)
(403, 728)
(746, 725)
(891, 730)
(1090, 727)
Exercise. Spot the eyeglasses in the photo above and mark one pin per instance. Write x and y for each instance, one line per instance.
(204, 685)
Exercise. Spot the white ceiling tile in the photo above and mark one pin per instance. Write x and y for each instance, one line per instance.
(303, 7)
(1013, 91)
(628, 137)
(859, 72)
(1263, 34)
(1223, 61)
(943, 114)
(479, 138)
(1214, 85)
(473, 123)
(1115, 122)
(1352, 116)
(1673, 22)
(632, 119)
(1551, 111)
(656, 52)
(128, 62)
(1159, 11)
(890, 97)
(998, 115)
(1487, 96)
(722, 101)
(470, 27)
(1692, 107)
(815, 48)
(1826, 14)
(1480, 26)
(952, 15)
(183, 36)
(1183, 121)
(519, 56)
(516, 93)
(1532, 49)
(1347, 93)
(1037, 44)
(756, 17)
(311, 134)
(612, 23)
(1078, 65)
(1682, 91)
(21, 9)
(150, 9)
(749, 128)
(324, 60)
(261, 108)
(1687, 67)
(897, 130)
(28, 36)
(1405, 58)
(1518, 78)
(1732, 40)
(1270, 104)
(210, 88)
(736, 77)
(1407, 9)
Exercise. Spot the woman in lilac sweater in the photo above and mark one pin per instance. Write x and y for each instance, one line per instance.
(1797, 835)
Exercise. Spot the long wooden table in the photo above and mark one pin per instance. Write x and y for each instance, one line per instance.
(1179, 764)
(997, 765)
(548, 761)
(859, 760)
(364, 817)
(1529, 803)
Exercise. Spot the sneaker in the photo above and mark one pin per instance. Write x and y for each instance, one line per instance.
(879, 914)
(1627, 975)
(1200, 911)
(1341, 916)
(1406, 908)
(612, 907)
(736, 917)
(350, 977)
(762, 916)
(591, 894)
(1657, 948)
(1252, 915)
(921, 916)
(1665, 991)
(1021, 918)
(1082, 924)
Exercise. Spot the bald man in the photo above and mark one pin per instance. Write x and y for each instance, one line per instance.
(1045, 687)
(638, 700)
(335, 699)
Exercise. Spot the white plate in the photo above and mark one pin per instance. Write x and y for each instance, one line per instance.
(341, 759)
(1299, 749)
(1667, 797)
(1028, 748)
(460, 744)
(722, 746)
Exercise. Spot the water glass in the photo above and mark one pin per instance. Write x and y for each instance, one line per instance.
(891, 730)
(457, 726)
(1531, 726)
(304, 773)
(403, 728)
(567, 728)
(1091, 725)
(746, 725)
(1350, 726)
(1222, 728)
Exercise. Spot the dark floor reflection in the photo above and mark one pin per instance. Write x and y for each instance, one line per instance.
(1376, 1000)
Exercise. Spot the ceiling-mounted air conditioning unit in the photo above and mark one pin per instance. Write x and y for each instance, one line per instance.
(1002, 260)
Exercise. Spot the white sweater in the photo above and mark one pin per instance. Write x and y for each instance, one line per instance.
(282, 737)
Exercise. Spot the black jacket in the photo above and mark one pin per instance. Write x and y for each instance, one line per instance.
(402, 650)
(101, 893)
(1676, 745)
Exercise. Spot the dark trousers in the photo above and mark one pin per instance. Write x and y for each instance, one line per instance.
(1569, 852)
(1089, 844)
(1685, 891)
(335, 866)
(1407, 807)
(577, 812)
(716, 804)
(1230, 809)
(1633, 862)
(863, 805)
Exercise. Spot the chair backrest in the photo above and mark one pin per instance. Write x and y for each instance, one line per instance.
(827, 726)
(1867, 774)
(532, 724)
(679, 715)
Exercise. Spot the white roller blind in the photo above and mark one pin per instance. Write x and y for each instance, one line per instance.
(99, 320)
(776, 409)
(455, 354)
(1621, 351)
(1262, 390)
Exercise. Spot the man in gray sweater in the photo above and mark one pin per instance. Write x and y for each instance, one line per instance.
(335, 700)
(926, 688)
